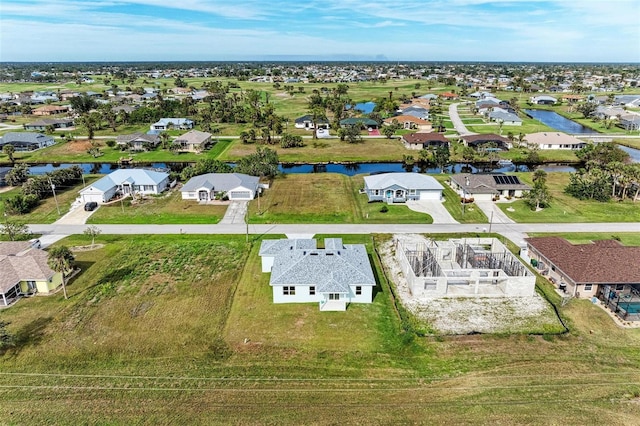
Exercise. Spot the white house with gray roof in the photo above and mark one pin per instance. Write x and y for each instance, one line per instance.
(236, 186)
(26, 141)
(125, 182)
(400, 187)
(332, 276)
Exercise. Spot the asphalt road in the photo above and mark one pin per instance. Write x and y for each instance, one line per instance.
(503, 228)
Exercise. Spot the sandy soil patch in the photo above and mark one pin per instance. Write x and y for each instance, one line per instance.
(467, 315)
(76, 146)
(87, 248)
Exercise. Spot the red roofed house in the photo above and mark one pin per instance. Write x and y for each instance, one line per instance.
(606, 269)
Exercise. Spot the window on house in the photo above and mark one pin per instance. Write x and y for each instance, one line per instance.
(587, 287)
(376, 192)
(358, 290)
(289, 290)
(619, 287)
(312, 291)
(412, 192)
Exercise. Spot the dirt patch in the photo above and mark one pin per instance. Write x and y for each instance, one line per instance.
(76, 146)
(464, 315)
(87, 248)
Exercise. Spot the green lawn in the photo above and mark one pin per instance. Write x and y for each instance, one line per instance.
(565, 208)
(47, 212)
(328, 150)
(468, 213)
(180, 329)
(325, 198)
(168, 208)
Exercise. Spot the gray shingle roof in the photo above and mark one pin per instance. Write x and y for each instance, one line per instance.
(137, 176)
(28, 137)
(221, 182)
(485, 183)
(404, 180)
(332, 269)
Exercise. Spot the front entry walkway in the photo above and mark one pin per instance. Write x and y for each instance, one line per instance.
(235, 213)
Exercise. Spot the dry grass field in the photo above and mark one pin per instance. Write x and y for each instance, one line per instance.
(154, 333)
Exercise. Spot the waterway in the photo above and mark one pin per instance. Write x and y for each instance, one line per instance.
(558, 122)
(349, 169)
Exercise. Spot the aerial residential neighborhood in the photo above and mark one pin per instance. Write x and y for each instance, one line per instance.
(320, 213)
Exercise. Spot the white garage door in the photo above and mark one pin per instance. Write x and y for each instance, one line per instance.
(240, 195)
(430, 195)
(92, 197)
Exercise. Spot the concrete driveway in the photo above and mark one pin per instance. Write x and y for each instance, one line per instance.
(433, 208)
(235, 213)
(76, 216)
(489, 207)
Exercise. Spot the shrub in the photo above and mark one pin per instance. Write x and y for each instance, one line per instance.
(111, 143)
(384, 209)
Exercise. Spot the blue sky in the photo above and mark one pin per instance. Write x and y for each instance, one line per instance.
(427, 30)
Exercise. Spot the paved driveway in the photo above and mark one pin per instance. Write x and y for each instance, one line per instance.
(489, 207)
(433, 208)
(76, 216)
(235, 213)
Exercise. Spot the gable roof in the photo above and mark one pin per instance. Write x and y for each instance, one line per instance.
(221, 182)
(487, 137)
(330, 269)
(309, 118)
(353, 121)
(407, 118)
(600, 262)
(273, 247)
(403, 180)
(137, 176)
(150, 138)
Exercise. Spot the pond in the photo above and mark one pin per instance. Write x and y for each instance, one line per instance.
(349, 169)
(364, 107)
(558, 122)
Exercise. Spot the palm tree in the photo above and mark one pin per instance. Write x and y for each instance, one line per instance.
(9, 150)
(61, 260)
(164, 139)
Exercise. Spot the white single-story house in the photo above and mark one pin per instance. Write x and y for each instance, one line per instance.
(543, 100)
(332, 276)
(400, 187)
(236, 186)
(26, 141)
(172, 123)
(554, 140)
(486, 187)
(306, 122)
(24, 271)
(506, 118)
(125, 182)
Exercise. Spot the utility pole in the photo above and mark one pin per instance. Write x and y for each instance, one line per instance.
(53, 188)
(490, 222)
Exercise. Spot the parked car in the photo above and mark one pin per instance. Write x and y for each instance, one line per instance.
(90, 206)
(35, 243)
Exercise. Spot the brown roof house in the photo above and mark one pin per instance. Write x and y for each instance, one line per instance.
(424, 140)
(192, 141)
(24, 271)
(487, 187)
(606, 269)
(50, 110)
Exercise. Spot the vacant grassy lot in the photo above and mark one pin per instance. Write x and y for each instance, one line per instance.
(325, 198)
(167, 208)
(565, 208)
(328, 150)
(153, 333)
(626, 238)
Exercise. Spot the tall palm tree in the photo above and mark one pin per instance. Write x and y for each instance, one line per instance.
(61, 260)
